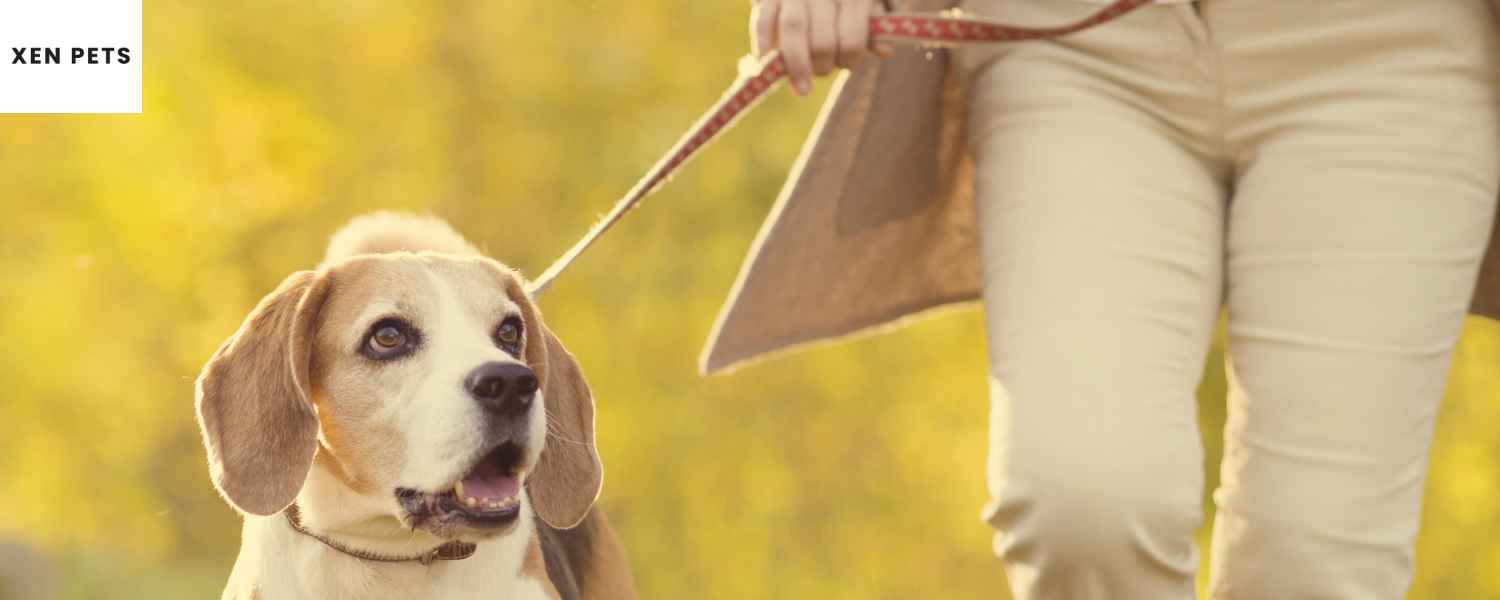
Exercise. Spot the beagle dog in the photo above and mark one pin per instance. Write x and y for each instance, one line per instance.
(400, 423)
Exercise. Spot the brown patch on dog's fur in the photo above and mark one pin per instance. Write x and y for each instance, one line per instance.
(348, 388)
(254, 399)
(608, 576)
(535, 567)
(587, 562)
(330, 455)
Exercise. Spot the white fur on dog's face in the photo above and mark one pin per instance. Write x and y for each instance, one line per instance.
(409, 423)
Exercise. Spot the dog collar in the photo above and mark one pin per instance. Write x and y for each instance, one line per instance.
(448, 551)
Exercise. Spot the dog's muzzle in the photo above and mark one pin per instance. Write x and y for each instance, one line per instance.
(487, 497)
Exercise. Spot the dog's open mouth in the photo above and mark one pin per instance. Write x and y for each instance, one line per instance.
(489, 496)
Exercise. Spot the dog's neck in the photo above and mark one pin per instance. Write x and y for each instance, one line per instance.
(331, 508)
(277, 562)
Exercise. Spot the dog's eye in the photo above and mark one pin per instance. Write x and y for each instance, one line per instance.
(508, 334)
(388, 339)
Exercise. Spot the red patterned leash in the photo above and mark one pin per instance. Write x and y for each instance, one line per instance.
(760, 77)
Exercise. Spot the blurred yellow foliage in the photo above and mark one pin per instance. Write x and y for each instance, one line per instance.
(135, 245)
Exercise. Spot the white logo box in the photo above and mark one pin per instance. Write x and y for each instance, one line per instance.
(75, 56)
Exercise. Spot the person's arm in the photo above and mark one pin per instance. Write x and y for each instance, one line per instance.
(815, 36)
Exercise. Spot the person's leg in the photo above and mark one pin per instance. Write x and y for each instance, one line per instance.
(1101, 232)
(1369, 158)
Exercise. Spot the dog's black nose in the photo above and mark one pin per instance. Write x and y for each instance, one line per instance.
(503, 388)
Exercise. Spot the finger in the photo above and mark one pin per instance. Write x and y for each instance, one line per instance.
(853, 32)
(791, 39)
(763, 26)
(823, 35)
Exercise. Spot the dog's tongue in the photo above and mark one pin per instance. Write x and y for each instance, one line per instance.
(488, 482)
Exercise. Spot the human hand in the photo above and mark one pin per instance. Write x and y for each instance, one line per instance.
(815, 36)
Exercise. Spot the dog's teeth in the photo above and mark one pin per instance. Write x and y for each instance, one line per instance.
(458, 489)
(472, 502)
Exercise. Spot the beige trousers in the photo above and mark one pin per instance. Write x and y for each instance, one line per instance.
(1326, 169)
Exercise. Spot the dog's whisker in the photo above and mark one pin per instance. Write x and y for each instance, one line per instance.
(561, 438)
(554, 432)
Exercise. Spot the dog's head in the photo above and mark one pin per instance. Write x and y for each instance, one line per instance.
(425, 383)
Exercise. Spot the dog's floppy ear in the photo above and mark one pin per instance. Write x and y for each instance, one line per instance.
(569, 475)
(255, 401)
